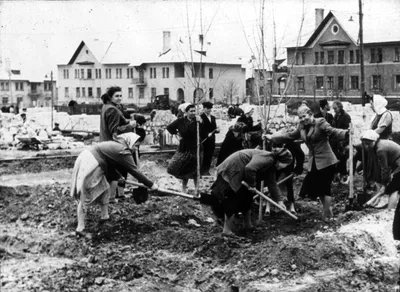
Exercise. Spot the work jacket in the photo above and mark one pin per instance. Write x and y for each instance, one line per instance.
(316, 137)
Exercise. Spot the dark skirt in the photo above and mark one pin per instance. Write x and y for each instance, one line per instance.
(317, 183)
(231, 202)
(183, 165)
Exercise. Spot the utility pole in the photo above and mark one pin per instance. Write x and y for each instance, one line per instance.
(362, 87)
(52, 100)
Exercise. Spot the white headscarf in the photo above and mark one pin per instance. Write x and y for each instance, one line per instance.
(129, 138)
(379, 104)
(370, 135)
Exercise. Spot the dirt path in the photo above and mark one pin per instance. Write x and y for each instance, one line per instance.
(173, 244)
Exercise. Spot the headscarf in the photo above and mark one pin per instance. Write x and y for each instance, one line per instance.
(248, 109)
(303, 109)
(380, 104)
(282, 155)
(370, 135)
(129, 139)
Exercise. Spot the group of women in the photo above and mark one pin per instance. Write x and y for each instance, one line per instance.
(97, 169)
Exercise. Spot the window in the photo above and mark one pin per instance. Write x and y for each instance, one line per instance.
(108, 73)
(358, 56)
(211, 73)
(5, 100)
(179, 70)
(66, 92)
(322, 58)
(396, 54)
(98, 73)
(89, 73)
(340, 82)
(341, 57)
(153, 93)
(82, 73)
(198, 70)
(47, 86)
(4, 86)
(78, 92)
(331, 57)
(66, 73)
(376, 55)
(376, 82)
(165, 72)
(300, 58)
(141, 92)
(129, 72)
(354, 82)
(118, 73)
(351, 57)
(83, 92)
(90, 91)
(329, 82)
(76, 73)
(153, 73)
(300, 83)
(19, 86)
(98, 89)
(166, 91)
(316, 59)
(130, 92)
(397, 82)
(211, 93)
(319, 82)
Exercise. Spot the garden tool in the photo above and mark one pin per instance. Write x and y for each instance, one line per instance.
(271, 201)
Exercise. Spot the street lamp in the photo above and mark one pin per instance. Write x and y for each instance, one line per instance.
(52, 98)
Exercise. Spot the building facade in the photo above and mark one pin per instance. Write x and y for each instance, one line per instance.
(17, 90)
(86, 77)
(328, 64)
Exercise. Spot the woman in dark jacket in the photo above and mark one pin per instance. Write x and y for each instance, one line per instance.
(315, 132)
(112, 120)
(183, 164)
(233, 141)
(96, 168)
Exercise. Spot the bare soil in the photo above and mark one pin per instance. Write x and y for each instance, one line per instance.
(174, 244)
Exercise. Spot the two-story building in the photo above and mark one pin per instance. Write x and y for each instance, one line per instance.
(176, 72)
(22, 91)
(327, 65)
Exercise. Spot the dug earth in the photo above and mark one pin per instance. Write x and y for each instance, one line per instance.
(173, 244)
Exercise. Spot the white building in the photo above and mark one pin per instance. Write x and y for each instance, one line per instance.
(96, 66)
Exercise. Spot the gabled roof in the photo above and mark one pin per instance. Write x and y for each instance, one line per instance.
(97, 47)
(376, 28)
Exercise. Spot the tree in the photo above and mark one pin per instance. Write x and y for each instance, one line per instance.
(230, 88)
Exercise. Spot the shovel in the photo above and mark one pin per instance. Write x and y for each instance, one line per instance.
(271, 201)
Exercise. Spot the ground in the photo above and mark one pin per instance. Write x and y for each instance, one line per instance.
(171, 243)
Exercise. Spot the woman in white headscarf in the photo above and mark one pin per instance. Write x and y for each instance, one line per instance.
(96, 167)
(382, 121)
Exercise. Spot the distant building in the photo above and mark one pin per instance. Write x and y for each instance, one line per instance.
(177, 72)
(327, 64)
(22, 91)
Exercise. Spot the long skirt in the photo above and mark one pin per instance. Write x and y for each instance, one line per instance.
(183, 165)
(89, 184)
(231, 202)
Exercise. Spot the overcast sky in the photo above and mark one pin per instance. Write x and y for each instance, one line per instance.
(38, 35)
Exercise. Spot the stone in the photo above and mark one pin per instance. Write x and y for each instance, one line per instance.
(24, 216)
(99, 281)
(274, 272)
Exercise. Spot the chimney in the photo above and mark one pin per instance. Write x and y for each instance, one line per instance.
(201, 39)
(319, 16)
(166, 41)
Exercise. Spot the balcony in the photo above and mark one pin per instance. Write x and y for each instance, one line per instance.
(139, 81)
(35, 92)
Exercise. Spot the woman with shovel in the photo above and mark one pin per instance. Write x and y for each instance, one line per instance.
(251, 166)
(94, 170)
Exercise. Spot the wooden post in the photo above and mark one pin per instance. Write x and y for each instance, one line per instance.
(198, 156)
(351, 183)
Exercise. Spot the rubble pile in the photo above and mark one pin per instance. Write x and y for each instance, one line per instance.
(15, 132)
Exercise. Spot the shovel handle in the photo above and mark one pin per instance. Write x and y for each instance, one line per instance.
(164, 190)
(271, 201)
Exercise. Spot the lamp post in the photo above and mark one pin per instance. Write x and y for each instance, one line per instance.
(52, 98)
